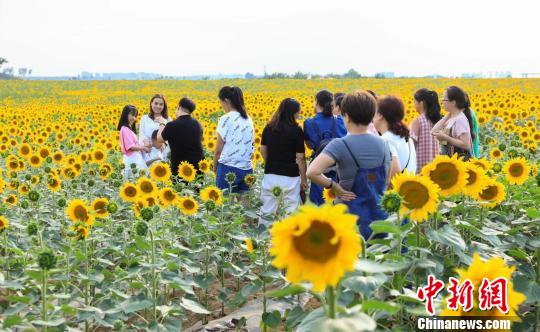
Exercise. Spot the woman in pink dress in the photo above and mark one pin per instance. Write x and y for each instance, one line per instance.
(426, 103)
(131, 149)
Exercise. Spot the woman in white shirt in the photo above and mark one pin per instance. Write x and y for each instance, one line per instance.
(235, 141)
(150, 122)
(389, 122)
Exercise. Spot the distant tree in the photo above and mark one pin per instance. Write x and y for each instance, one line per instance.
(249, 76)
(300, 76)
(2, 61)
(379, 75)
(352, 74)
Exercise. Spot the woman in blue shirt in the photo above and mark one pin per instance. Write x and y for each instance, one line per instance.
(319, 131)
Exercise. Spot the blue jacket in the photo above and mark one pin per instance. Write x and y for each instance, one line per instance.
(325, 126)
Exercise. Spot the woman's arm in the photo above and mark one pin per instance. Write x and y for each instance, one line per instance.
(217, 153)
(463, 141)
(440, 124)
(415, 130)
(264, 151)
(302, 167)
(315, 173)
(394, 169)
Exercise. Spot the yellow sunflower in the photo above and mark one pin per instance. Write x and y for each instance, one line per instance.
(4, 223)
(160, 172)
(146, 187)
(54, 183)
(188, 205)
(317, 245)
(58, 157)
(249, 245)
(81, 232)
(128, 192)
(140, 203)
(495, 153)
(475, 181)
(212, 193)
(492, 194)
(11, 200)
(482, 163)
(167, 197)
(99, 206)
(186, 171)
(205, 165)
(99, 155)
(25, 150)
(79, 212)
(491, 270)
(449, 173)
(516, 170)
(329, 195)
(35, 160)
(420, 195)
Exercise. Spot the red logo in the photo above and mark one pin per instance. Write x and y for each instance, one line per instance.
(429, 292)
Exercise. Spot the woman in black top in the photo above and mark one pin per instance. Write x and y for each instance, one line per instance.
(282, 147)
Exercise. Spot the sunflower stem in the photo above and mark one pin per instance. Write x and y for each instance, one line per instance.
(331, 302)
(417, 229)
(44, 296)
(154, 295)
(6, 253)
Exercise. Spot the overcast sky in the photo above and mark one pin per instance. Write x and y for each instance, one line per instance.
(414, 37)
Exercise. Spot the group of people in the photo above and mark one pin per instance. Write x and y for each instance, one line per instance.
(359, 143)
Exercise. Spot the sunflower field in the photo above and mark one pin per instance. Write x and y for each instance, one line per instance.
(84, 249)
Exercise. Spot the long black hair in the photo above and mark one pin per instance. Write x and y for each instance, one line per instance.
(165, 112)
(325, 99)
(432, 107)
(393, 111)
(124, 120)
(461, 98)
(338, 98)
(236, 98)
(285, 114)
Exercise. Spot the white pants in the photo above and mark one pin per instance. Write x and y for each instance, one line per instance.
(290, 187)
(137, 159)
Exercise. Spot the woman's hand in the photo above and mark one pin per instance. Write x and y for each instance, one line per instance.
(343, 194)
(440, 135)
(304, 185)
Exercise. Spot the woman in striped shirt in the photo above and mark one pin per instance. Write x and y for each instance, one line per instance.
(426, 102)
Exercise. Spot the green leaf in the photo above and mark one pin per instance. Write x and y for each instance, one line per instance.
(19, 299)
(136, 306)
(384, 226)
(194, 306)
(141, 244)
(271, 319)
(365, 284)
(533, 213)
(447, 236)
(377, 305)
(316, 321)
(286, 291)
(55, 322)
(295, 316)
(373, 267)
(11, 320)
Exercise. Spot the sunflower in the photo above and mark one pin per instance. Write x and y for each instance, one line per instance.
(12, 163)
(449, 173)
(205, 165)
(420, 195)
(99, 206)
(128, 192)
(4, 223)
(212, 193)
(140, 203)
(188, 205)
(516, 170)
(250, 180)
(167, 197)
(146, 186)
(329, 195)
(249, 245)
(492, 194)
(186, 171)
(58, 157)
(25, 150)
(475, 181)
(317, 244)
(99, 156)
(491, 270)
(80, 232)
(79, 212)
(24, 189)
(160, 172)
(495, 153)
(35, 160)
(11, 200)
(481, 162)
(44, 152)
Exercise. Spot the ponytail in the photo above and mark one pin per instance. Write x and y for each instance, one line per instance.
(392, 110)
(325, 99)
(236, 98)
(468, 114)
(431, 104)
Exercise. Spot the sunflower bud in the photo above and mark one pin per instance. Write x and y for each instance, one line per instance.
(497, 167)
(28, 177)
(133, 166)
(46, 260)
(48, 160)
(230, 177)
(118, 325)
(119, 229)
(33, 196)
(277, 192)
(112, 207)
(391, 202)
(25, 205)
(31, 229)
(122, 166)
(512, 153)
(502, 146)
(147, 214)
(141, 228)
(47, 169)
(91, 183)
(210, 205)
(61, 202)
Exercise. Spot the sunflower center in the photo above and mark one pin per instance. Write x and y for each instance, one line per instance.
(160, 171)
(213, 195)
(472, 178)
(314, 244)
(516, 170)
(100, 206)
(146, 187)
(414, 194)
(489, 193)
(169, 196)
(188, 204)
(130, 192)
(445, 175)
(186, 171)
(80, 213)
